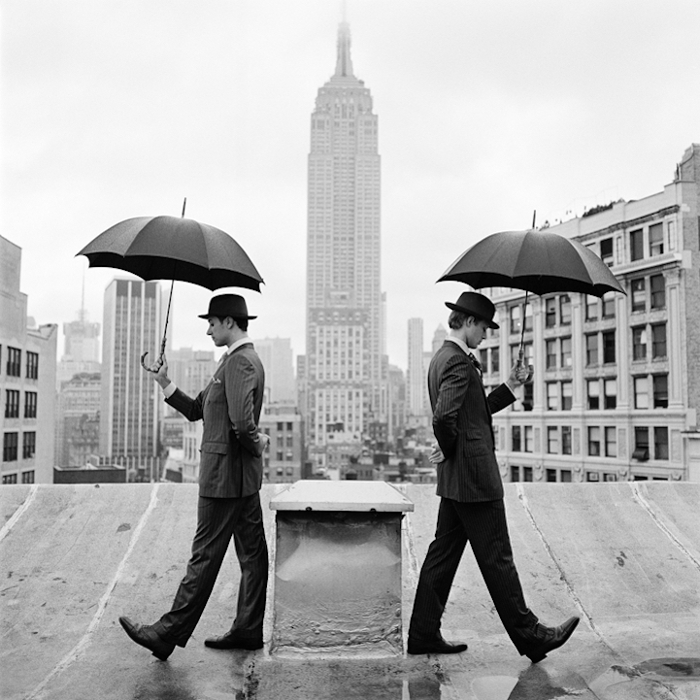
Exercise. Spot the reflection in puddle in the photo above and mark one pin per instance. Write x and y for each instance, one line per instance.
(533, 684)
(664, 677)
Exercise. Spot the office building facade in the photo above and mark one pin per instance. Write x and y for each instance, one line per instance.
(27, 381)
(616, 388)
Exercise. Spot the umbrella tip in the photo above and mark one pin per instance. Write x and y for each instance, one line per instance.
(184, 206)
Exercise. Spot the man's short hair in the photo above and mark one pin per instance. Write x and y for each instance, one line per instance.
(242, 323)
(456, 320)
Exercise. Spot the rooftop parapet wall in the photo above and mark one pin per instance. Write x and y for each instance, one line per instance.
(623, 556)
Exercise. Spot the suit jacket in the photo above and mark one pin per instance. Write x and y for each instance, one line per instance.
(229, 406)
(463, 426)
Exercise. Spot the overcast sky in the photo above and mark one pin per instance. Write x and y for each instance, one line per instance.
(487, 110)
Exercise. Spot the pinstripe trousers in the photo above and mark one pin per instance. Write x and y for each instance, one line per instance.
(483, 524)
(219, 519)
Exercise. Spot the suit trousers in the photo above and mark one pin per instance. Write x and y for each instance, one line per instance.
(483, 524)
(219, 519)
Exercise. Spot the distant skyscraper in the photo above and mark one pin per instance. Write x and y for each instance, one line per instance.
(438, 338)
(81, 348)
(345, 377)
(278, 361)
(415, 377)
(131, 406)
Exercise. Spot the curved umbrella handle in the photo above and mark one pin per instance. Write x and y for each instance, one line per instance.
(157, 365)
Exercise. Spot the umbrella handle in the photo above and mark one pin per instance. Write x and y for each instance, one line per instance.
(159, 362)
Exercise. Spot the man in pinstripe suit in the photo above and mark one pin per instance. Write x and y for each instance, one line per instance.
(230, 476)
(471, 491)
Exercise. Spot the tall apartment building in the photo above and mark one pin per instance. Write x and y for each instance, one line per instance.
(27, 381)
(616, 389)
(345, 370)
(134, 314)
(416, 387)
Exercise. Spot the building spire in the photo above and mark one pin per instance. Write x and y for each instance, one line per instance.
(343, 66)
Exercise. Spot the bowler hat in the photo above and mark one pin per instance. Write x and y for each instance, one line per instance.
(475, 304)
(225, 305)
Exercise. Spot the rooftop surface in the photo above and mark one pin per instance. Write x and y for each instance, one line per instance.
(623, 556)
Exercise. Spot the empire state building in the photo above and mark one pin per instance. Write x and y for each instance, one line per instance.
(345, 387)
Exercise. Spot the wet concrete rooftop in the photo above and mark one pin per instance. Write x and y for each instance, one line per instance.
(624, 556)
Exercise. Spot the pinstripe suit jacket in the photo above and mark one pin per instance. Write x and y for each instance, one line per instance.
(231, 452)
(463, 427)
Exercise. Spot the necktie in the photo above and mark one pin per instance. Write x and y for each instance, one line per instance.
(475, 362)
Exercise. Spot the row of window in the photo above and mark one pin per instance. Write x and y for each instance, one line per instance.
(27, 478)
(13, 363)
(10, 446)
(649, 442)
(648, 293)
(12, 403)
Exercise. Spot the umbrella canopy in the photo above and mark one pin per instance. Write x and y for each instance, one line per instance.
(535, 261)
(171, 248)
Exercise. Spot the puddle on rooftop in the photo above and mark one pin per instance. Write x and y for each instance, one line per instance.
(668, 677)
(534, 683)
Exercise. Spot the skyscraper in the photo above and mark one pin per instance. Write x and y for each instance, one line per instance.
(346, 370)
(415, 377)
(129, 419)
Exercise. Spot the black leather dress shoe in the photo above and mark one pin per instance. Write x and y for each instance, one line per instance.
(147, 637)
(436, 645)
(555, 637)
(234, 640)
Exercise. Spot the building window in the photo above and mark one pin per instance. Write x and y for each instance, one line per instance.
(528, 397)
(656, 239)
(552, 440)
(551, 353)
(32, 365)
(565, 475)
(9, 478)
(528, 317)
(639, 343)
(514, 316)
(28, 445)
(606, 251)
(566, 439)
(9, 447)
(565, 310)
(565, 352)
(610, 394)
(610, 441)
(660, 443)
(658, 291)
(609, 305)
(594, 441)
(551, 475)
(515, 473)
(591, 349)
(641, 392)
(658, 340)
(529, 442)
(608, 347)
(495, 360)
(641, 444)
(592, 306)
(552, 396)
(30, 404)
(593, 393)
(639, 299)
(660, 389)
(11, 403)
(516, 439)
(527, 473)
(28, 477)
(550, 312)
(14, 362)
(566, 396)
(636, 244)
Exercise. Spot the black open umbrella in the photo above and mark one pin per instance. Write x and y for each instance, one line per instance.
(171, 248)
(535, 261)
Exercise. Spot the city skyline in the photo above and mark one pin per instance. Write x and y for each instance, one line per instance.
(486, 113)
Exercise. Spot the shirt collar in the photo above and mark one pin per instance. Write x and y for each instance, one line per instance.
(237, 344)
(460, 344)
